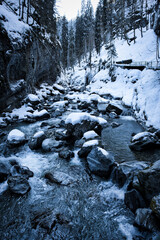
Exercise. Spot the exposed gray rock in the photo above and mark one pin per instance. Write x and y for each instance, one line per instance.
(134, 200)
(50, 144)
(149, 180)
(17, 170)
(59, 177)
(66, 154)
(124, 171)
(143, 140)
(84, 151)
(112, 107)
(146, 220)
(18, 185)
(100, 162)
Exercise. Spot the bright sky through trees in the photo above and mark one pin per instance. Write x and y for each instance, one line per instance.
(69, 8)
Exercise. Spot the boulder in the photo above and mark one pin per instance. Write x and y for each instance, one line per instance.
(113, 107)
(59, 177)
(134, 200)
(149, 180)
(36, 141)
(33, 99)
(84, 151)
(146, 220)
(66, 154)
(17, 170)
(142, 141)
(41, 115)
(155, 205)
(79, 123)
(124, 172)
(50, 144)
(18, 185)
(16, 138)
(100, 162)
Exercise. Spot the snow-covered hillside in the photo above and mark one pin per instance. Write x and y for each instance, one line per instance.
(137, 89)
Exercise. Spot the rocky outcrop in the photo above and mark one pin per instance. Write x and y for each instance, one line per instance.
(149, 180)
(31, 59)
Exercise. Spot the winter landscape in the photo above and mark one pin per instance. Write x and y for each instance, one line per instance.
(80, 121)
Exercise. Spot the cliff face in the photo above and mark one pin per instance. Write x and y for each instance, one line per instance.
(27, 58)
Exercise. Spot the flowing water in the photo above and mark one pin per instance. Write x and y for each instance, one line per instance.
(83, 208)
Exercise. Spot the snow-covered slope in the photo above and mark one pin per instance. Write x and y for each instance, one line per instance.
(14, 27)
(137, 89)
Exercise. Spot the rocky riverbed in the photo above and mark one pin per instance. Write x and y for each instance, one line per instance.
(77, 168)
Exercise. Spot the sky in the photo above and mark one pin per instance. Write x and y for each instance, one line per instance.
(69, 8)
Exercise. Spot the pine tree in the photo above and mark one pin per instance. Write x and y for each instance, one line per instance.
(64, 42)
(71, 45)
(98, 27)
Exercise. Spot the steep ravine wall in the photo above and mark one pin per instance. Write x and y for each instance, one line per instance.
(35, 60)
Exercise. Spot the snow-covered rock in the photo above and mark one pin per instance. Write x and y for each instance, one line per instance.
(16, 137)
(36, 141)
(75, 118)
(34, 99)
(79, 123)
(143, 140)
(39, 115)
(100, 162)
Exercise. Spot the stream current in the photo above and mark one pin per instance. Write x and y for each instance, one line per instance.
(83, 208)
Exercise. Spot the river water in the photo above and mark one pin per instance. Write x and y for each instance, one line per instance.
(83, 208)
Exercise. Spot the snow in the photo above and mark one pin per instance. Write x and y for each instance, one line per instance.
(38, 134)
(91, 143)
(90, 135)
(20, 112)
(15, 28)
(60, 104)
(33, 98)
(16, 135)
(141, 135)
(40, 114)
(75, 118)
(103, 151)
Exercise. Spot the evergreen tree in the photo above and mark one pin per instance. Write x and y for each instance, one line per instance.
(64, 42)
(79, 38)
(98, 27)
(71, 45)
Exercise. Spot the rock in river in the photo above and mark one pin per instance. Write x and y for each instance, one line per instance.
(143, 140)
(16, 138)
(100, 162)
(18, 185)
(149, 180)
